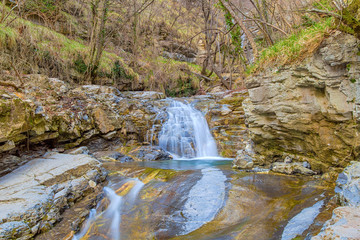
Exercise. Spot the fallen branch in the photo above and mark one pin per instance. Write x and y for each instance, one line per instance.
(318, 11)
(223, 81)
(196, 74)
(8, 84)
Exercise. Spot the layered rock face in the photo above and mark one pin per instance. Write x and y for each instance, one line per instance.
(225, 116)
(51, 111)
(309, 112)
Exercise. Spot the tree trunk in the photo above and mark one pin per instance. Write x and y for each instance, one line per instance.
(239, 21)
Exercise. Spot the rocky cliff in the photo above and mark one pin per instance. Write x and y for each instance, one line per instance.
(309, 111)
(52, 112)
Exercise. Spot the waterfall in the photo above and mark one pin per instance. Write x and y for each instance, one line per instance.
(186, 133)
(113, 211)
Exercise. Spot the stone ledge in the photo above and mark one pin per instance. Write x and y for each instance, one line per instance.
(32, 196)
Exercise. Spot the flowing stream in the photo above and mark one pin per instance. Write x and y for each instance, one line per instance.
(198, 195)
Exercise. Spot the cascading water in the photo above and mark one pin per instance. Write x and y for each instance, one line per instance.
(186, 133)
(114, 210)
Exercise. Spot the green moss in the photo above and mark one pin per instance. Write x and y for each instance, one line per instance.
(353, 80)
(350, 19)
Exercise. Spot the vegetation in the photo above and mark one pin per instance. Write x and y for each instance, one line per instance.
(152, 45)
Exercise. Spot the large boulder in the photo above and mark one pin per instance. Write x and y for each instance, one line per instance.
(149, 153)
(33, 196)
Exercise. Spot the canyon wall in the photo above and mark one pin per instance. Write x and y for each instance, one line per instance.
(309, 111)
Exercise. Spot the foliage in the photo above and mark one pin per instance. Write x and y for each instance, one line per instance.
(350, 19)
(235, 30)
(80, 65)
(49, 52)
(118, 72)
(294, 48)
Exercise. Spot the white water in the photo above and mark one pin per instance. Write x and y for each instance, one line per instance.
(113, 211)
(186, 133)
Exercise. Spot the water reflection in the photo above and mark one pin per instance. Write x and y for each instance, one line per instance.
(190, 164)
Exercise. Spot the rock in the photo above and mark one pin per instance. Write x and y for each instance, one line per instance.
(243, 160)
(225, 110)
(80, 150)
(344, 224)
(38, 191)
(110, 135)
(149, 153)
(348, 185)
(9, 163)
(288, 160)
(307, 109)
(145, 95)
(345, 221)
(113, 156)
(291, 168)
(225, 115)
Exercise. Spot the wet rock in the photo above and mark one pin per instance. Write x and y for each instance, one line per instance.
(291, 168)
(348, 185)
(344, 224)
(37, 192)
(113, 156)
(244, 158)
(225, 115)
(80, 150)
(9, 163)
(149, 153)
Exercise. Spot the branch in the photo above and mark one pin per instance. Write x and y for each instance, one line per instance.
(273, 26)
(196, 74)
(8, 84)
(17, 73)
(315, 10)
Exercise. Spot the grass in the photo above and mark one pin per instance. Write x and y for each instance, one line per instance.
(39, 41)
(294, 48)
(7, 36)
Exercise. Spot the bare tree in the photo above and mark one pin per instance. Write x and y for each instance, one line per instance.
(229, 7)
(99, 10)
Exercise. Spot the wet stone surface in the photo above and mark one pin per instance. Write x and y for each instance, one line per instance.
(204, 200)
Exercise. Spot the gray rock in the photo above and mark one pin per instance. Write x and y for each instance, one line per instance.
(309, 107)
(245, 157)
(344, 224)
(287, 159)
(80, 150)
(113, 156)
(345, 221)
(149, 153)
(38, 191)
(243, 160)
(348, 185)
(291, 168)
